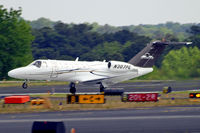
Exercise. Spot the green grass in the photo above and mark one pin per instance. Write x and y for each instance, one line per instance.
(48, 83)
(49, 95)
(32, 83)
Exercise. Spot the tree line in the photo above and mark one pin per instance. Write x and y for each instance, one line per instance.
(67, 42)
(22, 42)
(15, 41)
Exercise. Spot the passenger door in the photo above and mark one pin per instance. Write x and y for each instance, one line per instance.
(54, 73)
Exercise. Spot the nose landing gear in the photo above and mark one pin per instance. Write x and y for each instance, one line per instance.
(25, 85)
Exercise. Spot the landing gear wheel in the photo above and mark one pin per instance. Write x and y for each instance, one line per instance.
(72, 88)
(102, 88)
(25, 85)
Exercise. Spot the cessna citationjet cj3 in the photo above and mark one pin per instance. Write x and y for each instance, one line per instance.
(97, 72)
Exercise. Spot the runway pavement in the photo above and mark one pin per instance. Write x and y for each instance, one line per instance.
(140, 120)
(151, 120)
(128, 87)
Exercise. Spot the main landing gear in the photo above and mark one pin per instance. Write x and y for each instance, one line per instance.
(72, 88)
(25, 85)
(102, 88)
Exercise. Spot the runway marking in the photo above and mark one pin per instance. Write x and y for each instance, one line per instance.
(178, 109)
(105, 118)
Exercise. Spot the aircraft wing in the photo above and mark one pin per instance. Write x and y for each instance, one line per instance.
(110, 80)
(95, 81)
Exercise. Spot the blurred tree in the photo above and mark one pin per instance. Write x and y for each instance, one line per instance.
(41, 23)
(69, 41)
(195, 30)
(182, 64)
(15, 41)
(195, 36)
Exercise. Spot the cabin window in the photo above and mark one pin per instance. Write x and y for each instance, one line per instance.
(37, 64)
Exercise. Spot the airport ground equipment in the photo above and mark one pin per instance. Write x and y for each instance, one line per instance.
(85, 99)
(48, 127)
(140, 97)
(37, 101)
(19, 99)
(113, 91)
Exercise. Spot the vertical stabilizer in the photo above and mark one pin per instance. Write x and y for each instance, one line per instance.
(148, 55)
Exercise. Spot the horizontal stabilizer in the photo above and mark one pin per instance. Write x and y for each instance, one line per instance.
(172, 43)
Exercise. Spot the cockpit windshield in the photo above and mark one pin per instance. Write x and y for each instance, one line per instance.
(37, 64)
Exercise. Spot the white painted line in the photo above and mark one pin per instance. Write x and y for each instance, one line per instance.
(106, 118)
(10, 94)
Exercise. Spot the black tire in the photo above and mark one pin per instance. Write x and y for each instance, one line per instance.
(169, 90)
(72, 90)
(25, 85)
(102, 88)
(72, 85)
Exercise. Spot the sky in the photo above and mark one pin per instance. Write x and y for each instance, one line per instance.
(112, 12)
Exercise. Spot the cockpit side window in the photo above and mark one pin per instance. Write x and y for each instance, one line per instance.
(37, 64)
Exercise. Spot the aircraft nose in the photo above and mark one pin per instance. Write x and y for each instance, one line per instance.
(12, 73)
(16, 73)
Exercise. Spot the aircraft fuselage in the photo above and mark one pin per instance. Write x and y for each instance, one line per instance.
(79, 71)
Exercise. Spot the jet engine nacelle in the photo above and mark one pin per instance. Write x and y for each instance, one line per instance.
(119, 66)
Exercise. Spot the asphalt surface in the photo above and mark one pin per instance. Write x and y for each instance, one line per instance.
(139, 120)
(128, 87)
(151, 120)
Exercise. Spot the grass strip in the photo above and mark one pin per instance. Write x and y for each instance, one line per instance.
(32, 83)
(112, 102)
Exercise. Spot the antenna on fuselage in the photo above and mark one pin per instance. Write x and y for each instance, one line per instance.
(77, 59)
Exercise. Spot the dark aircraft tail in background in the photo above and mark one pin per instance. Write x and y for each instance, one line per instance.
(148, 55)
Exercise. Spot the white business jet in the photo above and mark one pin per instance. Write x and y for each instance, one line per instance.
(97, 72)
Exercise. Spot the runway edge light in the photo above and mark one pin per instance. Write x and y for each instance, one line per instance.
(194, 95)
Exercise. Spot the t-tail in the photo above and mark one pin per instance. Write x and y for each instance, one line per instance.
(147, 57)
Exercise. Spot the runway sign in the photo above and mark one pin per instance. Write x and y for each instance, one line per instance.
(72, 99)
(194, 95)
(91, 99)
(86, 99)
(140, 97)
